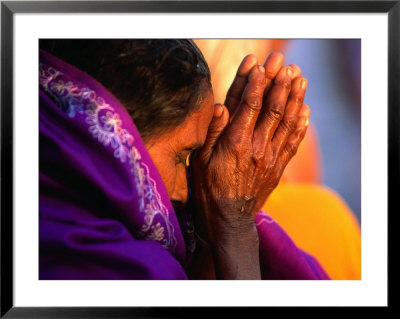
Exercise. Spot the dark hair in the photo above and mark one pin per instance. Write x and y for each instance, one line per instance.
(159, 82)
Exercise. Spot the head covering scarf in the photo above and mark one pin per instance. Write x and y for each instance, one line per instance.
(104, 212)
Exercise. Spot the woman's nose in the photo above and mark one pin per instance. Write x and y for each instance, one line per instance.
(181, 191)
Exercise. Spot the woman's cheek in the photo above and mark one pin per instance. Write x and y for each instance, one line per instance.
(168, 173)
(180, 193)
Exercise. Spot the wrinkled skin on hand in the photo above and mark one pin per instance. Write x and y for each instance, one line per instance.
(250, 141)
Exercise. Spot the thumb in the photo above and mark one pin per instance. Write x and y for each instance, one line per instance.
(218, 123)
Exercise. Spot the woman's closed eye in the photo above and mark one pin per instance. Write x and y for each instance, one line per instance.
(183, 158)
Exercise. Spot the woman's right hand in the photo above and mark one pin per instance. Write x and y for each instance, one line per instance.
(248, 145)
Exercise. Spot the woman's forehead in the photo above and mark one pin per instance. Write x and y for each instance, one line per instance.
(202, 117)
(193, 130)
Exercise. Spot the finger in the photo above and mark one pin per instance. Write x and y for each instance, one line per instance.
(296, 71)
(272, 66)
(274, 105)
(290, 119)
(305, 111)
(250, 105)
(292, 145)
(297, 136)
(295, 139)
(239, 83)
(218, 123)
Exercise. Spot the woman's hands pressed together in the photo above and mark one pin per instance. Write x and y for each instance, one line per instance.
(249, 143)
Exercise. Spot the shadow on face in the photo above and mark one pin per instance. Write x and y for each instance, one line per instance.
(171, 149)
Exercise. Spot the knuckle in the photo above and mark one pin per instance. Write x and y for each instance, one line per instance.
(276, 111)
(258, 155)
(235, 142)
(252, 101)
(291, 149)
(257, 83)
(260, 82)
(286, 85)
(298, 99)
(289, 124)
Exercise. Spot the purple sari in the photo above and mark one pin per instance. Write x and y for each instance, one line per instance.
(104, 212)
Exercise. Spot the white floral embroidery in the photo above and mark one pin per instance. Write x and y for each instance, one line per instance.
(149, 199)
(105, 125)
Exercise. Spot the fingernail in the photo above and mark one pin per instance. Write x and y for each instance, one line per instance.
(307, 121)
(261, 69)
(303, 84)
(289, 71)
(218, 110)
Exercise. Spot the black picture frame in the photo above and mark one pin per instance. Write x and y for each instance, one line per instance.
(9, 8)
